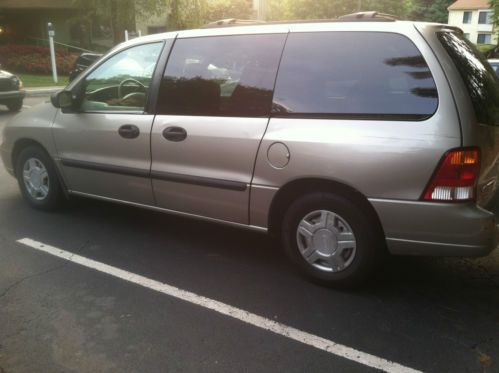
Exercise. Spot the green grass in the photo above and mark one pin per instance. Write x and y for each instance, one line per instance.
(33, 81)
(484, 48)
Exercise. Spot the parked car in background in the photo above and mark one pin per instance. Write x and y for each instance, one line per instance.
(83, 61)
(495, 65)
(11, 91)
(348, 138)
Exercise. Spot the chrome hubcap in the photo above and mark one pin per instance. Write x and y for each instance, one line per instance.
(326, 241)
(36, 179)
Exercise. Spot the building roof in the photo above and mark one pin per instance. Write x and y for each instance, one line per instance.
(36, 4)
(470, 4)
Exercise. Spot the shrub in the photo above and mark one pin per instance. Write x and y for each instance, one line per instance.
(34, 59)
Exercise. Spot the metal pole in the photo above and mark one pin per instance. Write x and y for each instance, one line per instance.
(52, 51)
(360, 5)
(126, 35)
(262, 10)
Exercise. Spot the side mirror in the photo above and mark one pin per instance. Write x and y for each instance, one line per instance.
(62, 99)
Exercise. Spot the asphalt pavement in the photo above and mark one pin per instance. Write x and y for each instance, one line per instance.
(57, 315)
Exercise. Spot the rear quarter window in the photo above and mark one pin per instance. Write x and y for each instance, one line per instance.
(361, 75)
(478, 76)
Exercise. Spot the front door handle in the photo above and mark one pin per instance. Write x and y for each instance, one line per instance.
(129, 131)
(175, 134)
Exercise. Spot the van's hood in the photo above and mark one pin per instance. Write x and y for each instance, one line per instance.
(5, 74)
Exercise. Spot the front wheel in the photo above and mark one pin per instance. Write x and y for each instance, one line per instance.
(331, 239)
(38, 179)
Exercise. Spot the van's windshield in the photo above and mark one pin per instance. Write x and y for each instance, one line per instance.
(479, 78)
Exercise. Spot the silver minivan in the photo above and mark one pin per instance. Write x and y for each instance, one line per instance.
(349, 139)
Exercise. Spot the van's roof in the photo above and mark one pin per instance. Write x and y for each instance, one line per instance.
(387, 24)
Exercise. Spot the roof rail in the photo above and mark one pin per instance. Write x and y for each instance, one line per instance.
(368, 17)
(354, 17)
(233, 22)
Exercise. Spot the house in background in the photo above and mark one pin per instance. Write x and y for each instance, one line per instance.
(26, 20)
(474, 17)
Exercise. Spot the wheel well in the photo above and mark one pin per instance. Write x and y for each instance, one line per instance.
(298, 188)
(19, 146)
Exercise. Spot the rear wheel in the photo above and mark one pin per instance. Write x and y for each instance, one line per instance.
(15, 105)
(38, 179)
(331, 239)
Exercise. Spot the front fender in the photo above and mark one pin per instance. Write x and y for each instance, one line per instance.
(32, 125)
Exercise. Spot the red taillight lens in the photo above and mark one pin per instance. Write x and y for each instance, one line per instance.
(456, 177)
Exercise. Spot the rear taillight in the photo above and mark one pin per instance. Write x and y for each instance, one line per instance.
(456, 177)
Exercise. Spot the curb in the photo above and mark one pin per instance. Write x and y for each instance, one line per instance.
(44, 91)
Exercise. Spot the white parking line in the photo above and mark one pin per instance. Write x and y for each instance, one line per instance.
(225, 309)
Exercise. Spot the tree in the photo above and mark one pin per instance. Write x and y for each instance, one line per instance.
(119, 14)
(328, 9)
(222, 9)
(398, 8)
(431, 10)
(278, 10)
(184, 14)
(494, 5)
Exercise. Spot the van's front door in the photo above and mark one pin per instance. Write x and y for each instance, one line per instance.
(104, 148)
(213, 110)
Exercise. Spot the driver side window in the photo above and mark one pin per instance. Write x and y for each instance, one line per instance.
(122, 82)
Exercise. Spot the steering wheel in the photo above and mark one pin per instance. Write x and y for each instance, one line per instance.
(130, 80)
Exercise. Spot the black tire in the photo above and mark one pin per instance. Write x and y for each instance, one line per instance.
(369, 241)
(15, 106)
(55, 197)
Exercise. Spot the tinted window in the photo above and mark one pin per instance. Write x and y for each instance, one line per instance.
(355, 75)
(477, 74)
(122, 82)
(221, 76)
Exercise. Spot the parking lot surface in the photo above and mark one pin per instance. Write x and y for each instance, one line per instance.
(57, 315)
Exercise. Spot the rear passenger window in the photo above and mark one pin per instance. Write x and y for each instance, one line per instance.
(354, 75)
(221, 76)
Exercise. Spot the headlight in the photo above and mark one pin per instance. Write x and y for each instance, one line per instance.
(17, 83)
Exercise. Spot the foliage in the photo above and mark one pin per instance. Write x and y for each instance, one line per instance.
(327, 9)
(34, 59)
(184, 14)
(485, 48)
(222, 9)
(119, 13)
(431, 10)
(494, 4)
(193, 13)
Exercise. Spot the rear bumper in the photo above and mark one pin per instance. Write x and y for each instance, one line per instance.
(12, 95)
(437, 229)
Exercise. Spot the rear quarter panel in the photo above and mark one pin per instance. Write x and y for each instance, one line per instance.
(474, 134)
(381, 159)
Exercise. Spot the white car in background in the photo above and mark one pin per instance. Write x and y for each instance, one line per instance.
(495, 65)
